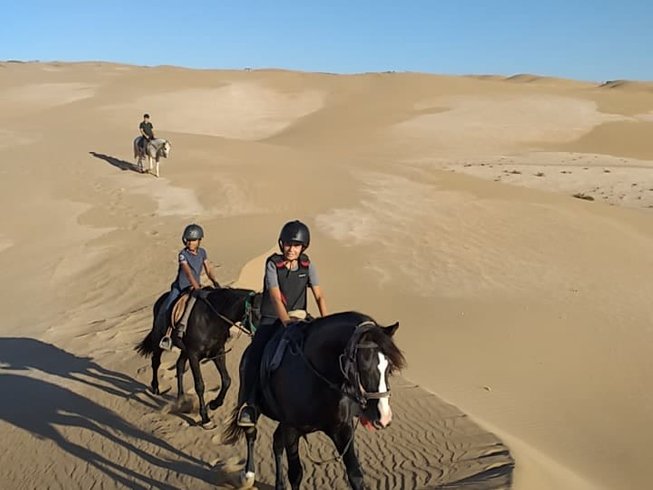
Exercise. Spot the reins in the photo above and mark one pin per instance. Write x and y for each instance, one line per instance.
(349, 367)
(239, 325)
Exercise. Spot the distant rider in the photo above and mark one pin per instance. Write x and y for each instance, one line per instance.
(147, 131)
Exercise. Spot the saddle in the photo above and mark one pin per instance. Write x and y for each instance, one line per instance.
(289, 339)
(185, 301)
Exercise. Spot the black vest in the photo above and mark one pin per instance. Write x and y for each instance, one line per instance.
(293, 285)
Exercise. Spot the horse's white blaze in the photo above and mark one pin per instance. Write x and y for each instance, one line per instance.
(384, 403)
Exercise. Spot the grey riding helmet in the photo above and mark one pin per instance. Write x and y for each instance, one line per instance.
(295, 232)
(192, 232)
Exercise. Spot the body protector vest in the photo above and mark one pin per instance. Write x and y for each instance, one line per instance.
(292, 283)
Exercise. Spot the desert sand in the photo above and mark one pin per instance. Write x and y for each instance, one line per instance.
(505, 222)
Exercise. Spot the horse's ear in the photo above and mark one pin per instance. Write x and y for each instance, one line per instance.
(390, 329)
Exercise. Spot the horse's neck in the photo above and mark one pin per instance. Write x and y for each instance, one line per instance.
(227, 303)
(326, 341)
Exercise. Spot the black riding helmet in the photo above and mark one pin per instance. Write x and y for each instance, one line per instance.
(295, 232)
(192, 232)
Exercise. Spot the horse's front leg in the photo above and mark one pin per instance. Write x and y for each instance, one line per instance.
(181, 364)
(156, 362)
(221, 365)
(157, 166)
(278, 444)
(207, 423)
(249, 474)
(295, 471)
(343, 438)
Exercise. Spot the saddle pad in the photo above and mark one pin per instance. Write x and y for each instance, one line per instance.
(178, 308)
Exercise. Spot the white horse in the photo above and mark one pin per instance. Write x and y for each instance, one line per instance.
(154, 150)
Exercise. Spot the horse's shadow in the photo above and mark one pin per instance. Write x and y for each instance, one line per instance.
(22, 354)
(41, 408)
(116, 162)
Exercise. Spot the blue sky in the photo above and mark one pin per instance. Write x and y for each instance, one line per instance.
(588, 40)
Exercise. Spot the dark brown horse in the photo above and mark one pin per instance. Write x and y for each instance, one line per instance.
(214, 313)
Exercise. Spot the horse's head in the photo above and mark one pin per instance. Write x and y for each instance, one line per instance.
(370, 358)
(165, 149)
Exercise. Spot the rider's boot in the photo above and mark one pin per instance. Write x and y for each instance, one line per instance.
(248, 412)
(247, 415)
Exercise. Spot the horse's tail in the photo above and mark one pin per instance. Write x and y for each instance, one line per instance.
(232, 432)
(147, 345)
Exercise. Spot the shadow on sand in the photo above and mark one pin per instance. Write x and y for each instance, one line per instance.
(42, 408)
(121, 164)
(22, 354)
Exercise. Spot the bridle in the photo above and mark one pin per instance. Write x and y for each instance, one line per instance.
(351, 387)
(348, 362)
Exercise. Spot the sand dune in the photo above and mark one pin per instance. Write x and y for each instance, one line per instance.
(446, 203)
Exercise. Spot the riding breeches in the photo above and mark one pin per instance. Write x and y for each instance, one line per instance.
(162, 318)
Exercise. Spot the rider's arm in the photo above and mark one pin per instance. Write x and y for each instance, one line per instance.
(314, 283)
(319, 299)
(279, 307)
(189, 275)
(208, 267)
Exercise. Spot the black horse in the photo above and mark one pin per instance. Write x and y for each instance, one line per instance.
(337, 375)
(208, 329)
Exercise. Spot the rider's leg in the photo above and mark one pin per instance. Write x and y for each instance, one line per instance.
(248, 412)
(163, 318)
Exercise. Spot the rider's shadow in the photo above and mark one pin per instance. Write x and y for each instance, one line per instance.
(42, 408)
(23, 353)
(121, 164)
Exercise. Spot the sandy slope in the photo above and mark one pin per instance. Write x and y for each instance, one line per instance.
(523, 308)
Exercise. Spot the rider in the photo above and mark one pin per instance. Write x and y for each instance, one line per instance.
(287, 277)
(147, 131)
(192, 258)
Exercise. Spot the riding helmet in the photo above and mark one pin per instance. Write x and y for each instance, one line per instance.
(192, 232)
(295, 232)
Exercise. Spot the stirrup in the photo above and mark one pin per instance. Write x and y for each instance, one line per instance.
(166, 343)
(246, 416)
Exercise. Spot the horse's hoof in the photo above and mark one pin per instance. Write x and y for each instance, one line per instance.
(155, 390)
(214, 405)
(210, 425)
(247, 479)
